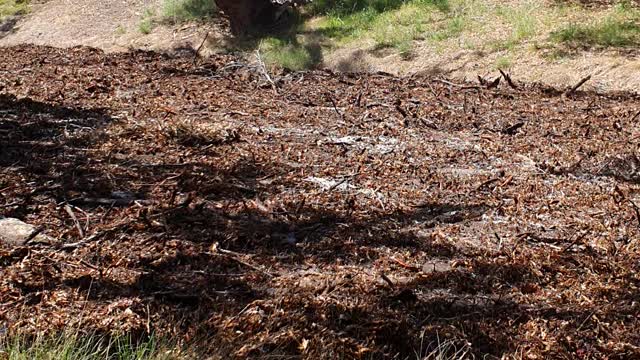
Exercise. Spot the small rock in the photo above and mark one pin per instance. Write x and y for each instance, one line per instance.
(14, 232)
(436, 266)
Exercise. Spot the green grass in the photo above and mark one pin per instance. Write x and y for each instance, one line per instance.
(147, 23)
(13, 7)
(503, 63)
(120, 30)
(76, 347)
(388, 23)
(621, 28)
(523, 20)
(447, 26)
(289, 53)
(177, 11)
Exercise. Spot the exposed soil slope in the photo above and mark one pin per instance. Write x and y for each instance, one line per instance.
(114, 26)
(109, 25)
(320, 215)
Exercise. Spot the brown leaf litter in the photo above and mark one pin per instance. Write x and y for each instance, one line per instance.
(318, 216)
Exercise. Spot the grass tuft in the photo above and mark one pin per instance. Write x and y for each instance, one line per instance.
(288, 54)
(120, 30)
(13, 7)
(503, 63)
(84, 347)
(177, 11)
(147, 23)
(619, 29)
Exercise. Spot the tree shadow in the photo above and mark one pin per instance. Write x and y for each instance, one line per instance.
(8, 25)
(49, 129)
(44, 143)
(172, 260)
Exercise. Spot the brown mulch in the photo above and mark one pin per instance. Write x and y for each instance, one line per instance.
(317, 215)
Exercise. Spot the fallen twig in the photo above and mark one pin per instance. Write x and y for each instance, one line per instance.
(69, 211)
(578, 238)
(235, 257)
(637, 210)
(488, 182)
(10, 204)
(577, 86)
(462, 87)
(33, 234)
(494, 83)
(405, 265)
(387, 280)
(195, 56)
(335, 106)
(511, 130)
(263, 69)
(507, 77)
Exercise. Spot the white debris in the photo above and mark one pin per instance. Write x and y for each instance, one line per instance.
(343, 185)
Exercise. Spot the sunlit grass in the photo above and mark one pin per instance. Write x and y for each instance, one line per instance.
(13, 7)
(147, 23)
(85, 347)
(185, 10)
(444, 26)
(288, 54)
(621, 28)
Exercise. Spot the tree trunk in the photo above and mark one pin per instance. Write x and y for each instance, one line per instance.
(247, 14)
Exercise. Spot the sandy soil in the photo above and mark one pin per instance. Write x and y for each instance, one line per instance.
(110, 25)
(610, 70)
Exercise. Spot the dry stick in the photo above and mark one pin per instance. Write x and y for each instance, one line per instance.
(508, 78)
(75, 245)
(577, 86)
(234, 256)
(10, 204)
(33, 234)
(69, 211)
(578, 238)
(335, 106)
(344, 180)
(494, 83)
(637, 210)
(462, 87)
(97, 234)
(635, 116)
(195, 56)
(405, 265)
(387, 280)
(263, 69)
(488, 182)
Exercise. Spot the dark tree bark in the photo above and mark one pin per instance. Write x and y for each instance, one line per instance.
(245, 15)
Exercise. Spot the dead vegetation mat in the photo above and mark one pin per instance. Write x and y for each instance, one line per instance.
(317, 215)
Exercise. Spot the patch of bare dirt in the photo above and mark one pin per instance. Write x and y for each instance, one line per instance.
(610, 70)
(315, 214)
(109, 25)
